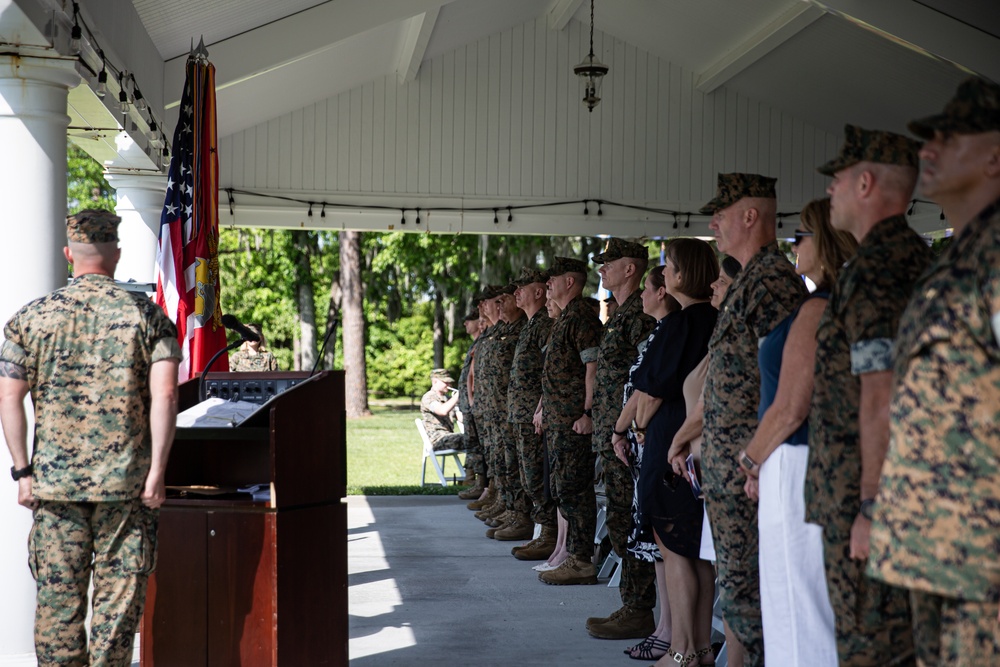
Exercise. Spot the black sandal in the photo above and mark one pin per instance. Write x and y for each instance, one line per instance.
(647, 647)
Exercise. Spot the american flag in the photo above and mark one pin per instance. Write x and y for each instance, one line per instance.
(187, 258)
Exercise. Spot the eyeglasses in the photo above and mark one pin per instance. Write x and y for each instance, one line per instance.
(799, 235)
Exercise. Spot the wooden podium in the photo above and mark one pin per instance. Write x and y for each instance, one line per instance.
(254, 583)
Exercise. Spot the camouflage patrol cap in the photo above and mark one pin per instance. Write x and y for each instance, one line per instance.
(486, 293)
(561, 265)
(734, 187)
(442, 374)
(92, 226)
(472, 317)
(618, 248)
(975, 108)
(528, 276)
(861, 145)
(506, 289)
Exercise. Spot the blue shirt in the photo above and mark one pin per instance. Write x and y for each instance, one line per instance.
(769, 358)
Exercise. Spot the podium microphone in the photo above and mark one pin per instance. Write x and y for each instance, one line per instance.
(233, 324)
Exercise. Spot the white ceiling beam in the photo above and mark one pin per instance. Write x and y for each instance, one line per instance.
(418, 35)
(777, 32)
(291, 39)
(561, 11)
(925, 30)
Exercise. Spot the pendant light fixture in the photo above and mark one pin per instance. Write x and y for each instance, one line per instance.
(591, 70)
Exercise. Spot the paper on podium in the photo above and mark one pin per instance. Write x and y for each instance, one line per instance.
(216, 412)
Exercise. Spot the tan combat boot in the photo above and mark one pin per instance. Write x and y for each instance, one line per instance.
(539, 548)
(485, 501)
(574, 570)
(625, 623)
(520, 528)
(498, 523)
(475, 491)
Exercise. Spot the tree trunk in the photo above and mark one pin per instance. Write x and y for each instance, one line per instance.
(438, 330)
(356, 389)
(306, 300)
(333, 321)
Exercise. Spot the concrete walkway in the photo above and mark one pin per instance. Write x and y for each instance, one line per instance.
(427, 587)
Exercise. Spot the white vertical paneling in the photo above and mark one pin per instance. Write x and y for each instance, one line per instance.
(458, 125)
(445, 131)
(308, 147)
(502, 117)
(378, 136)
(433, 164)
(297, 148)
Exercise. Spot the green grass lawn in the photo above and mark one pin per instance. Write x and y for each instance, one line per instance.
(384, 454)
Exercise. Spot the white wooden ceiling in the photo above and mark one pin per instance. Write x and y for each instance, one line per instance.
(827, 62)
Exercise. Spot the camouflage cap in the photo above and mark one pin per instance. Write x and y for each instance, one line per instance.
(975, 108)
(561, 265)
(442, 374)
(506, 289)
(861, 145)
(528, 276)
(734, 187)
(618, 248)
(486, 293)
(92, 226)
(472, 317)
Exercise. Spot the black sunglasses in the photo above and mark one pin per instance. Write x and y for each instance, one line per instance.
(799, 235)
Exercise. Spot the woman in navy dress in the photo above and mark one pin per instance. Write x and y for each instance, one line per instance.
(666, 501)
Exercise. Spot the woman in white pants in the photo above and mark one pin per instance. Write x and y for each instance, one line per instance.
(795, 605)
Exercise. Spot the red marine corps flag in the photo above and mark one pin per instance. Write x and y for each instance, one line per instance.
(187, 258)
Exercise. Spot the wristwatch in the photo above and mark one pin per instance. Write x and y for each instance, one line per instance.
(587, 412)
(23, 472)
(867, 508)
(747, 462)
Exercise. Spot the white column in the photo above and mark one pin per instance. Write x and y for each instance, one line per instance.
(140, 202)
(33, 123)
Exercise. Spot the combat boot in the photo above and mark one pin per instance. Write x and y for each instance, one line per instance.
(485, 501)
(625, 623)
(494, 509)
(499, 523)
(521, 527)
(573, 571)
(539, 548)
(498, 520)
(475, 491)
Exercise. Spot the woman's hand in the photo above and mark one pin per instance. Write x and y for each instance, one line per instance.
(620, 444)
(752, 488)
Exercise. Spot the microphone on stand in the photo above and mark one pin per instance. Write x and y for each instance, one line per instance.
(233, 324)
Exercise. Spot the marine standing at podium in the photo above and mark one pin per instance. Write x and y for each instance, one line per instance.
(101, 366)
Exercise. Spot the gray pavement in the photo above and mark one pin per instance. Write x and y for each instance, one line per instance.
(427, 586)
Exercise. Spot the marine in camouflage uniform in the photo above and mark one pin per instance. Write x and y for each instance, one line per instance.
(477, 408)
(854, 338)
(523, 392)
(86, 354)
(566, 401)
(242, 361)
(440, 428)
(623, 267)
(936, 525)
(474, 464)
(766, 292)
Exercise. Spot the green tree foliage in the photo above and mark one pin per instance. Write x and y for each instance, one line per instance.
(86, 186)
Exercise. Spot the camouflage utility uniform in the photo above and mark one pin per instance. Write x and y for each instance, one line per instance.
(523, 393)
(492, 377)
(440, 430)
(242, 361)
(473, 447)
(627, 329)
(480, 400)
(766, 292)
(92, 453)
(854, 337)
(573, 344)
(936, 528)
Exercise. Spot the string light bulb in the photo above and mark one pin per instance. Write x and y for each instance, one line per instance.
(102, 83)
(76, 35)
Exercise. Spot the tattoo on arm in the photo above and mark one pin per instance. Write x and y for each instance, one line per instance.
(13, 371)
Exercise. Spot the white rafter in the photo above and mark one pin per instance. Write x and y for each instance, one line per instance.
(561, 11)
(789, 23)
(418, 34)
(926, 30)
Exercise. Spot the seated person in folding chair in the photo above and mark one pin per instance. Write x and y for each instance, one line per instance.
(436, 408)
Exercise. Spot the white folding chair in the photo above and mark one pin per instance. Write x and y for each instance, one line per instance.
(438, 457)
